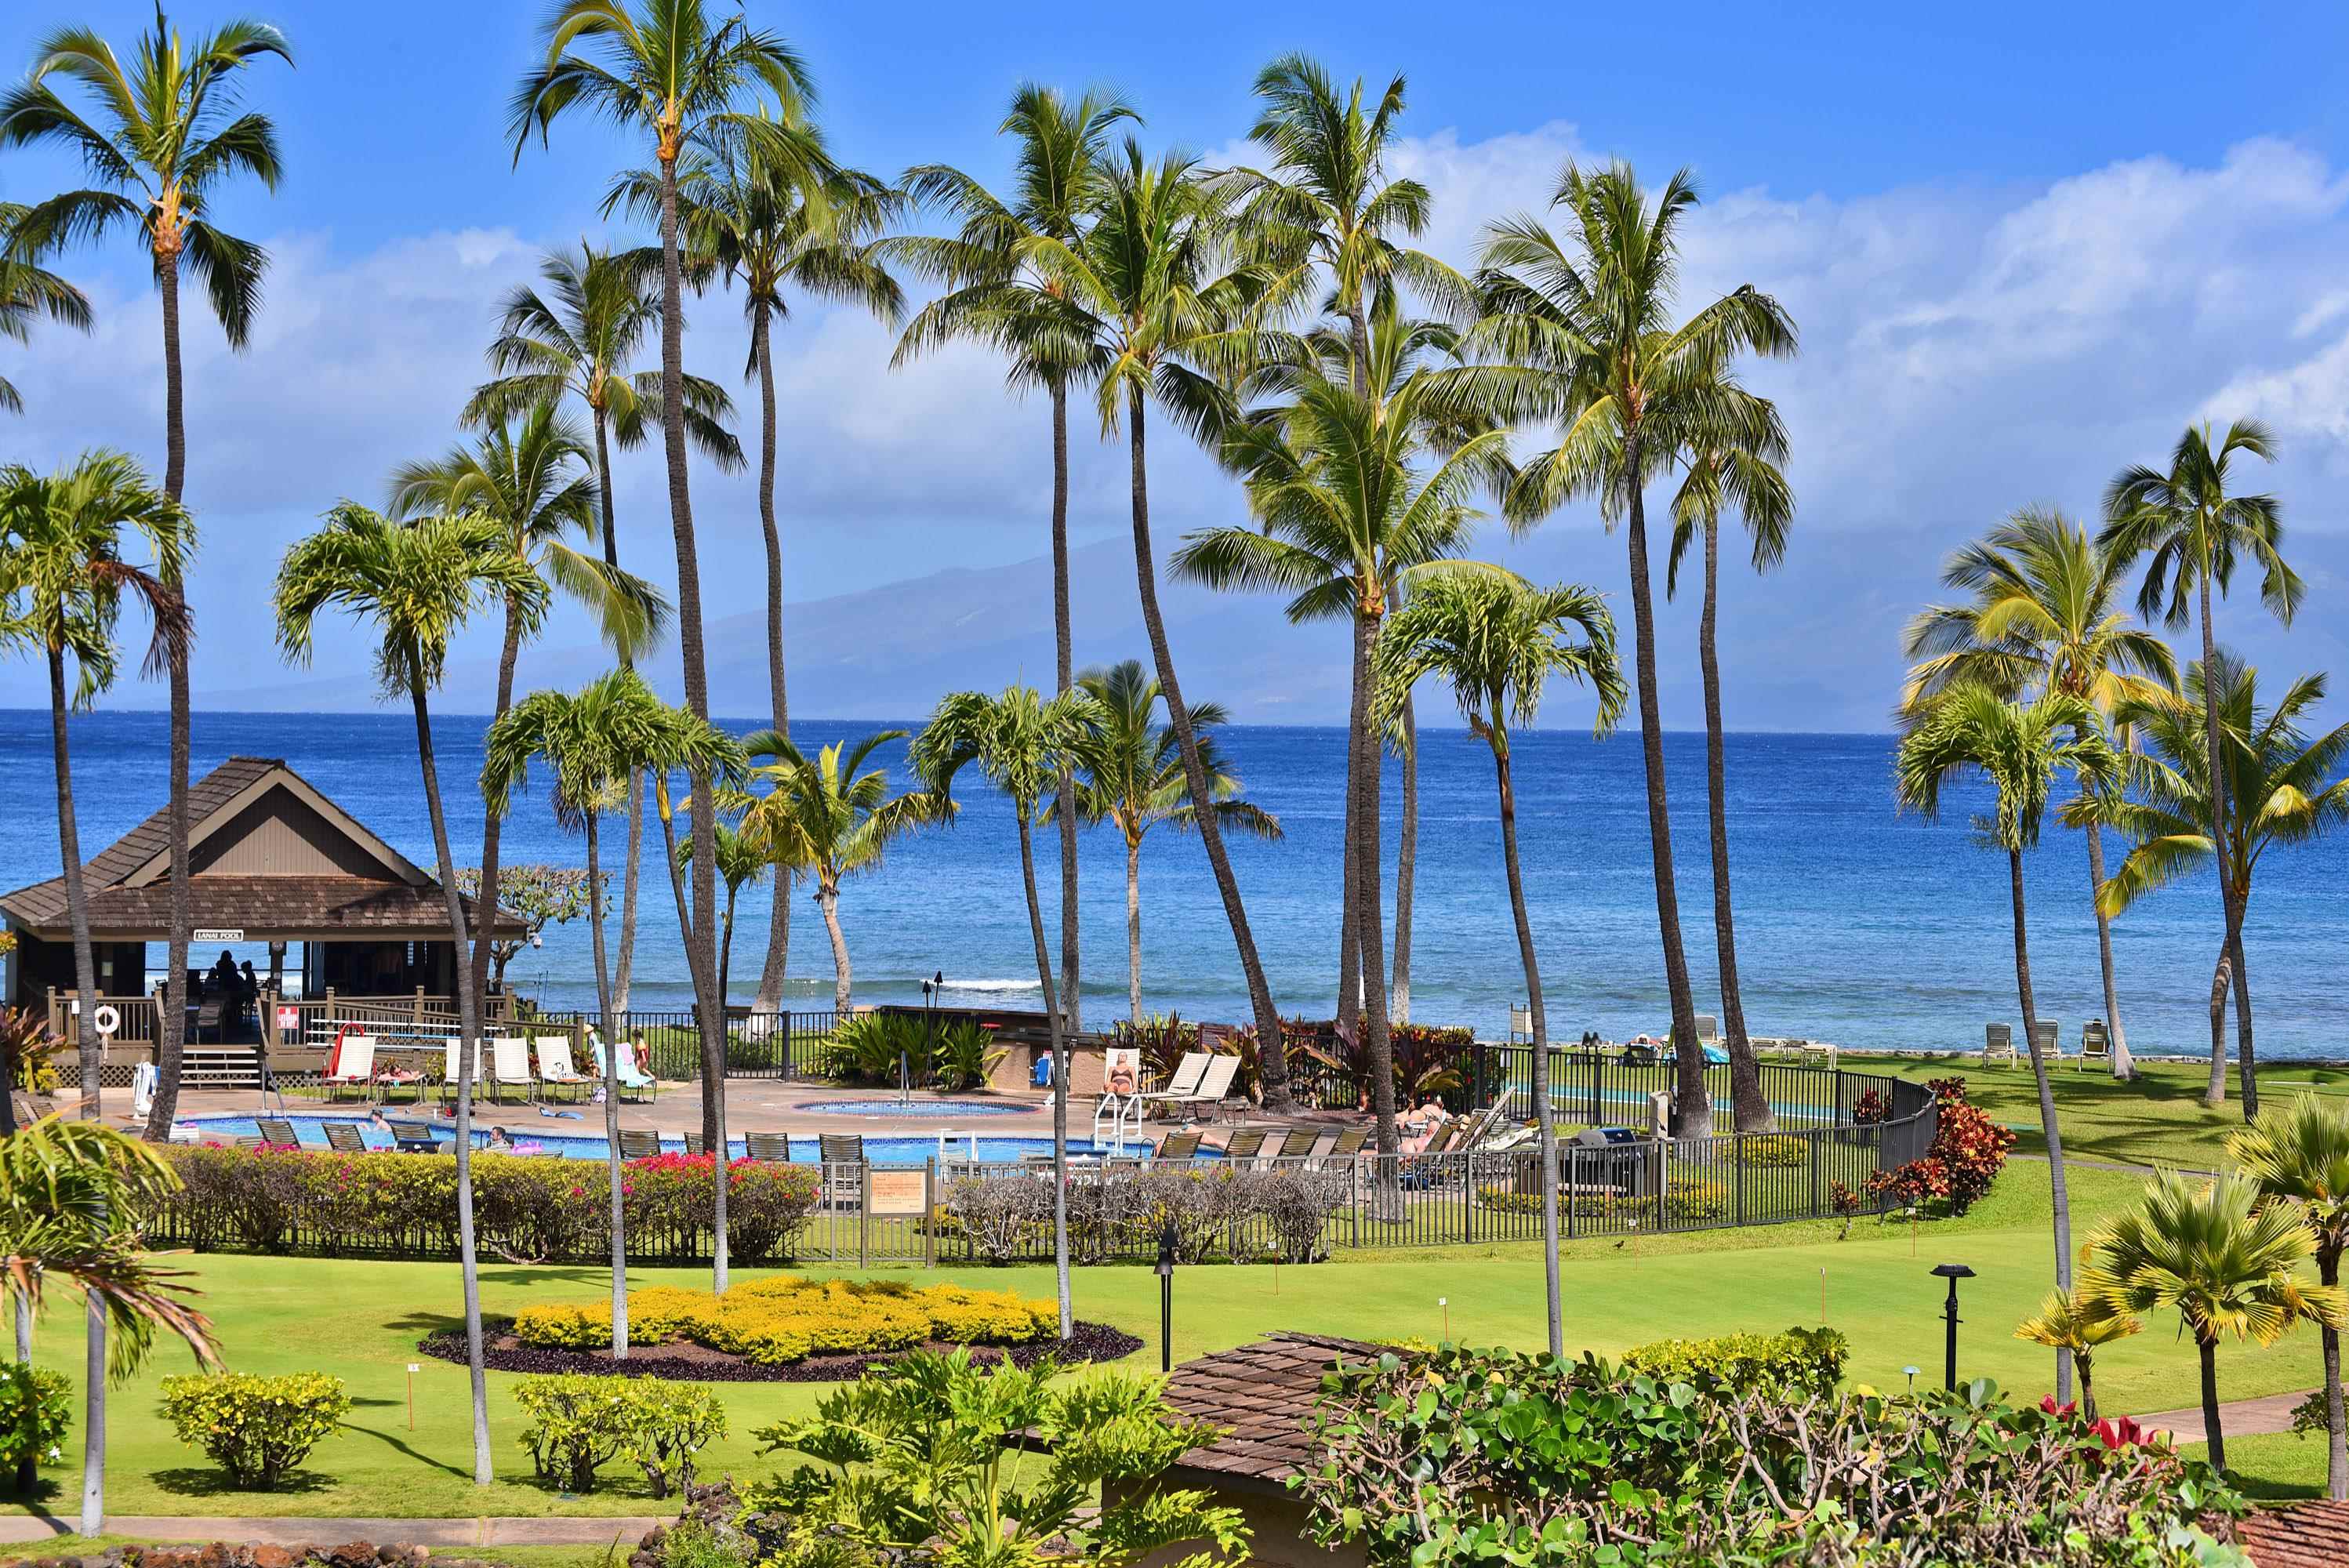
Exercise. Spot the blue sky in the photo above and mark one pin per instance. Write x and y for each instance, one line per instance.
(2025, 245)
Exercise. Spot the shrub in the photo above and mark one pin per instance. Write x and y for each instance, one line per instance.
(674, 1421)
(257, 1428)
(578, 1424)
(1967, 1151)
(773, 1322)
(1800, 1364)
(1773, 1151)
(1294, 1203)
(966, 1057)
(36, 1409)
(1001, 1217)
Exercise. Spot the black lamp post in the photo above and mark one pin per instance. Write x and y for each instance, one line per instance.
(1167, 1298)
(1953, 1273)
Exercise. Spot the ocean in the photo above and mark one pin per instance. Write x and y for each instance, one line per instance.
(1856, 923)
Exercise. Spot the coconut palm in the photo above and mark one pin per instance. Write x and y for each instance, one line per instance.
(1733, 462)
(741, 861)
(2042, 615)
(594, 743)
(165, 136)
(2302, 1159)
(2195, 531)
(2275, 777)
(1582, 332)
(28, 291)
(418, 583)
(688, 82)
(1024, 743)
(2018, 747)
(1130, 777)
(1497, 640)
(1348, 518)
(996, 297)
(573, 340)
(2079, 1322)
(63, 579)
(2227, 1260)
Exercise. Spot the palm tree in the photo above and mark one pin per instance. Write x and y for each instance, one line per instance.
(575, 342)
(2195, 532)
(668, 71)
(2301, 1159)
(829, 816)
(2019, 748)
(1024, 743)
(2079, 1322)
(594, 743)
(1582, 332)
(994, 296)
(1132, 777)
(1733, 461)
(418, 583)
(1347, 519)
(62, 582)
(167, 135)
(2042, 615)
(2275, 778)
(742, 860)
(1497, 640)
(2227, 1261)
(1150, 284)
(28, 291)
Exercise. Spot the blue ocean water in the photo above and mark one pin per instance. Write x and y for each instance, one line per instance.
(1856, 923)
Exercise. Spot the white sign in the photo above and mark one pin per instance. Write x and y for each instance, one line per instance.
(106, 1020)
(217, 933)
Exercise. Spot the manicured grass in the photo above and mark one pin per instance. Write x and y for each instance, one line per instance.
(362, 1320)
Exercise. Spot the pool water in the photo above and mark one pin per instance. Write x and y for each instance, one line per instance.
(539, 1135)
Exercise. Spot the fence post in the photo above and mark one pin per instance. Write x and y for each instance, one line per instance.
(1813, 1140)
(1737, 1179)
(863, 1213)
(929, 1208)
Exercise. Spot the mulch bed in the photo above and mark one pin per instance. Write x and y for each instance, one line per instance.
(684, 1361)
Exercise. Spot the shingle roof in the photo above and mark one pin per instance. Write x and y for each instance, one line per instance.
(1260, 1393)
(2304, 1535)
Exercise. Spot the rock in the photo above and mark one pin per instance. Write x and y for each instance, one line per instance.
(351, 1554)
(275, 1557)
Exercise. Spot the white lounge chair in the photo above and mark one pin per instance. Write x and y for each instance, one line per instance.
(1820, 1048)
(1215, 1086)
(510, 1069)
(2096, 1043)
(354, 1068)
(2049, 1038)
(1998, 1043)
(555, 1069)
(449, 1063)
(1182, 1085)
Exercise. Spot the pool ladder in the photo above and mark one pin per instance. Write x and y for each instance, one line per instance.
(1123, 1114)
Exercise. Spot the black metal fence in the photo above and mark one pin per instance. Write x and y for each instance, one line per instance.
(788, 1044)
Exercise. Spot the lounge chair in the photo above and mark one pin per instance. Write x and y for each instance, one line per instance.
(1641, 1053)
(353, 1067)
(1182, 1085)
(1998, 1043)
(634, 1080)
(639, 1144)
(510, 1069)
(1819, 1048)
(1176, 1148)
(278, 1131)
(209, 1016)
(451, 1061)
(842, 1148)
(344, 1137)
(772, 1146)
(1214, 1088)
(252, 1142)
(2048, 1039)
(1350, 1144)
(2096, 1043)
(1245, 1143)
(695, 1144)
(843, 1171)
(1296, 1143)
(415, 1138)
(556, 1070)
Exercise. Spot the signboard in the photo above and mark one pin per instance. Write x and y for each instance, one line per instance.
(897, 1192)
(289, 1020)
(217, 933)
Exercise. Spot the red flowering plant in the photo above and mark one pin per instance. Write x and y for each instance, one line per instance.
(1968, 1151)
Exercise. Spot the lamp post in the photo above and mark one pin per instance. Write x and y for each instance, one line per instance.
(1953, 1273)
(1167, 1298)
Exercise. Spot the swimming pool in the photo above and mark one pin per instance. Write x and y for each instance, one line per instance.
(952, 1110)
(904, 1149)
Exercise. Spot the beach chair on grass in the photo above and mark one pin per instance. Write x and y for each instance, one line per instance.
(1819, 1048)
(2049, 1038)
(774, 1146)
(1998, 1043)
(639, 1144)
(510, 1069)
(1176, 1147)
(1182, 1085)
(343, 1138)
(556, 1070)
(354, 1068)
(2095, 1044)
(278, 1131)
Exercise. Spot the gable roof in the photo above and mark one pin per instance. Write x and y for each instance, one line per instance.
(1260, 1393)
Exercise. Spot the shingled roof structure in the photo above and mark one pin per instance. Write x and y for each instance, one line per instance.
(2304, 1535)
(1260, 1393)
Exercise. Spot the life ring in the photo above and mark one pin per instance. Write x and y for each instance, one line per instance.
(105, 1020)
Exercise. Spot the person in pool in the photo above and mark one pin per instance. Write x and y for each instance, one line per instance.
(500, 1141)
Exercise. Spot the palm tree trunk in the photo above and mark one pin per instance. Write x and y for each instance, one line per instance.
(1348, 1010)
(1026, 808)
(469, 1038)
(2231, 898)
(2087, 1364)
(1072, 991)
(485, 907)
(2123, 1069)
(1133, 929)
(1406, 871)
(172, 1026)
(2336, 1428)
(614, 1167)
(625, 968)
(1545, 1130)
(2245, 1067)
(1369, 906)
(1271, 1049)
(2048, 1127)
(1749, 1107)
(2214, 1440)
(1691, 1108)
(92, 1056)
(769, 998)
(2216, 1094)
(828, 901)
(701, 957)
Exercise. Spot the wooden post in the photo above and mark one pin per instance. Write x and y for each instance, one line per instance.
(420, 1009)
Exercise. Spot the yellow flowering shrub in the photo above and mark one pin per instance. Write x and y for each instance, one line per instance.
(772, 1322)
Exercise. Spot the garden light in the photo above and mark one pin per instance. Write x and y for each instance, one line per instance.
(1953, 1273)
(1167, 1298)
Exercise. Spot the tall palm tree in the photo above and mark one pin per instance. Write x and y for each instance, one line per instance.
(28, 291)
(593, 742)
(63, 579)
(2275, 776)
(418, 583)
(1152, 285)
(573, 340)
(1025, 744)
(1582, 331)
(1497, 640)
(1733, 462)
(1130, 777)
(2080, 1322)
(1347, 516)
(2195, 531)
(669, 71)
(2225, 1259)
(2042, 615)
(2301, 1159)
(167, 135)
(742, 860)
(996, 297)
(2019, 748)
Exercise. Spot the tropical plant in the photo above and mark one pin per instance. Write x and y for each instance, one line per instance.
(418, 583)
(2302, 1159)
(2227, 1261)
(537, 895)
(741, 861)
(995, 295)
(28, 291)
(1582, 332)
(2080, 1322)
(966, 1057)
(2019, 748)
(1130, 777)
(1024, 743)
(2194, 531)
(1497, 641)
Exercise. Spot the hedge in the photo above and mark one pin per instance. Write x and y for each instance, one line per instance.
(773, 1322)
(257, 1428)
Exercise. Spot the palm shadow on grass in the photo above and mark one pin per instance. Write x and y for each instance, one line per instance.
(398, 1444)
